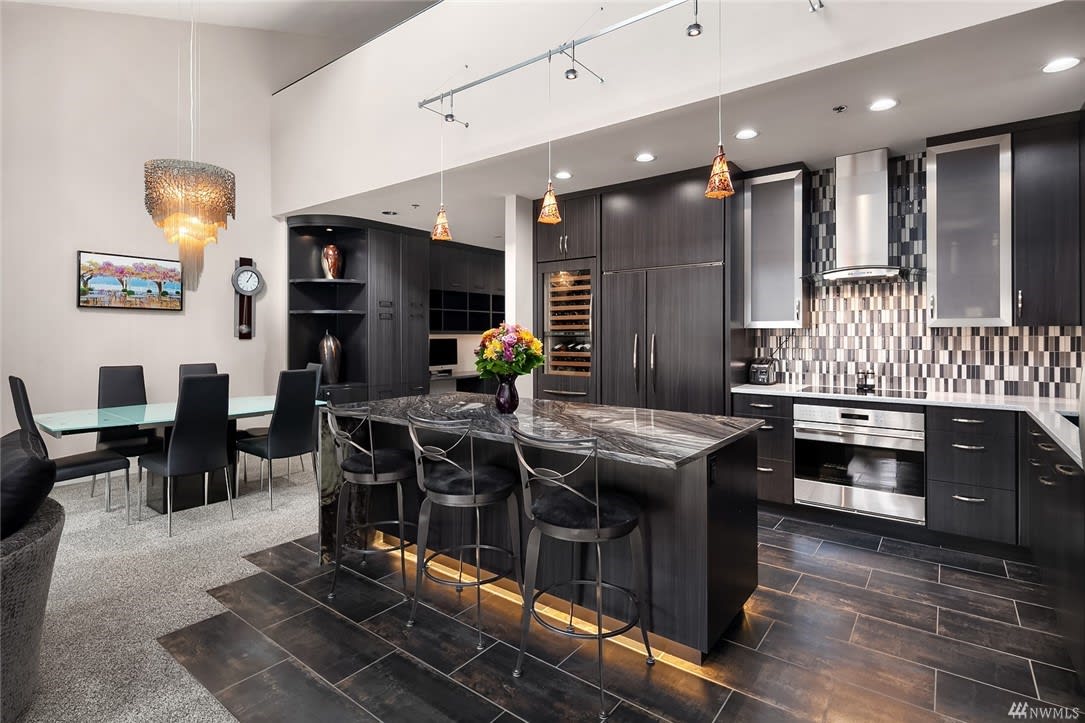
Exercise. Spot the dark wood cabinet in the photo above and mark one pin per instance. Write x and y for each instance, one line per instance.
(775, 444)
(654, 351)
(385, 322)
(414, 293)
(1047, 238)
(467, 288)
(980, 512)
(576, 237)
(661, 221)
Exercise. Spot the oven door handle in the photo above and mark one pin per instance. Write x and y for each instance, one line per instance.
(863, 439)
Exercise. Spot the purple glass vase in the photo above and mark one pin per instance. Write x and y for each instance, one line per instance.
(506, 399)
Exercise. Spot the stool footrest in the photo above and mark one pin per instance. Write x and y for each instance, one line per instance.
(587, 636)
(460, 584)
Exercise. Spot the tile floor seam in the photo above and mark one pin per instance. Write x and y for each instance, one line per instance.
(998, 687)
(1032, 672)
(730, 692)
(791, 592)
(216, 693)
(367, 665)
(953, 587)
(322, 604)
(767, 630)
(1017, 612)
(279, 622)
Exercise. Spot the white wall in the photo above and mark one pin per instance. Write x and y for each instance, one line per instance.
(87, 98)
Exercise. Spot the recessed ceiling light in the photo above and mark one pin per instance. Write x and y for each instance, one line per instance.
(1060, 64)
(562, 175)
(644, 157)
(390, 213)
(746, 134)
(883, 104)
(329, 230)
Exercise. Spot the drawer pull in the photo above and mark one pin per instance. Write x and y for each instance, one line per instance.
(969, 447)
(563, 393)
(1034, 462)
(964, 420)
(1047, 446)
(1065, 469)
(761, 405)
(1037, 434)
(766, 470)
(1047, 481)
(767, 428)
(962, 498)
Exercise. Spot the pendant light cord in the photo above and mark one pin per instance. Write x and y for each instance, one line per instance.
(719, 94)
(550, 117)
(442, 153)
(192, 80)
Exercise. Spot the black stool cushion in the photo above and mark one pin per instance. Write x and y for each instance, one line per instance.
(26, 478)
(389, 462)
(447, 479)
(564, 509)
(86, 464)
(256, 446)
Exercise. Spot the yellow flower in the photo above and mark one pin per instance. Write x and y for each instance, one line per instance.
(489, 353)
(536, 346)
(526, 336)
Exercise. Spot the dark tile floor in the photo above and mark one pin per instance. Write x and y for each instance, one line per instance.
(846, 625)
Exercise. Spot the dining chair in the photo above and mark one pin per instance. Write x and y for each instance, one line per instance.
(186, 370)
(122, 386)
(571, 506)
(252, 432)
(290, 433)
(198, 443)
(73, 466)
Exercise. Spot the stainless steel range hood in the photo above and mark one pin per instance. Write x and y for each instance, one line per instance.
(862, 219)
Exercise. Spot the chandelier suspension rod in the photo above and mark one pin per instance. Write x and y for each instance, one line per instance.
(559, 49)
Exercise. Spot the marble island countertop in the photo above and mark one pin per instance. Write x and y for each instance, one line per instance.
(1048, 412)
(646, 437)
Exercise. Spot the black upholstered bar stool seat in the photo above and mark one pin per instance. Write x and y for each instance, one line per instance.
(571, 506)
(452, 483)
(364, 466)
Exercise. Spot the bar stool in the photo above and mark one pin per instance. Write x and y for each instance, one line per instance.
(591, 516)
(366, 466)
(446, 483)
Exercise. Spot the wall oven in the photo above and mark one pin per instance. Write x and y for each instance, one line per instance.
(867, 461)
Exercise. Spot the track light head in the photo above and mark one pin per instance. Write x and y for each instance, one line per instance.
(693, 30)
(450, 118)
(571, 74)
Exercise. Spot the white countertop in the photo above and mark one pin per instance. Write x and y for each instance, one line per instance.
(1045, 411)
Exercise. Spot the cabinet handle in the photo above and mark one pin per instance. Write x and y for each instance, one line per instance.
(969, 447)
(1036, 434)
(1065, 469)
(1047, 482)
(963, 420)
(766, 470)
(798, 307)
(767, 428)
(652, 357)
(591, 304)
(1047, 446)
(636, 375)
(1034, 462)
(1020, 302)
(563, 393)
(761, 405)
(962, 498)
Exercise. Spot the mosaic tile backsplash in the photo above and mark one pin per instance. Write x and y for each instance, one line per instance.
(882, 326)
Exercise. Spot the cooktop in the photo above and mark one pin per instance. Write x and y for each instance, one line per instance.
(853, 392)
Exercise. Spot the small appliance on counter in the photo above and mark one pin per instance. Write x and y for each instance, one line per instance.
(762, 370)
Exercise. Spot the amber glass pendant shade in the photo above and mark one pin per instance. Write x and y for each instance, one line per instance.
(440, 228)
(190, 202)
(719, 181)
(549, 212)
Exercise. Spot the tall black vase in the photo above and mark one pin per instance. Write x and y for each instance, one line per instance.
(331, 353)
(507, 399)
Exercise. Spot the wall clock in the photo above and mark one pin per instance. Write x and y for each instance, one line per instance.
(247, 282)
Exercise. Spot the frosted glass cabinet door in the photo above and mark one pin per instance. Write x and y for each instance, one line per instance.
(970, 257)
(773, 253)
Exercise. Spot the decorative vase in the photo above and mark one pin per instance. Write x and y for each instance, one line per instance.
(506, 399)
(330, 357)
(331, 261)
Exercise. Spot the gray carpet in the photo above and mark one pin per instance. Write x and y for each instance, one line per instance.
(116, 589)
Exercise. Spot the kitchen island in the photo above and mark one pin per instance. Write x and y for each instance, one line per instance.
(693, 474)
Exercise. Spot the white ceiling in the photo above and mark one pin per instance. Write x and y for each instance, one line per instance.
(357, 20)
(980, 76)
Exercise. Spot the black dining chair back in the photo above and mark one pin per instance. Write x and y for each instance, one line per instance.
(199, 440)
(187, 370)
(23, 414)
(122, 386)
(291, 430)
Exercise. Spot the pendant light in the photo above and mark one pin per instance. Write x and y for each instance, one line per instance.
(549, 213)
(189, 200)
(719, 179)
(441, 231)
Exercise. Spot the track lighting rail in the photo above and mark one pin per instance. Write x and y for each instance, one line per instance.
(561, 49)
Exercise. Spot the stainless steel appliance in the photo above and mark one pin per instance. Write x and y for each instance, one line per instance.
(867, 461)
(762, 370)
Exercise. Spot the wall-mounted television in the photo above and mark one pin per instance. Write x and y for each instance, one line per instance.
(117, 281)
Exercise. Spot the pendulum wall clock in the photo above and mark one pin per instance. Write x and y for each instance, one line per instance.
(247, 283)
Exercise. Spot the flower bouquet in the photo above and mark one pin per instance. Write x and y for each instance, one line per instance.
(505, 353)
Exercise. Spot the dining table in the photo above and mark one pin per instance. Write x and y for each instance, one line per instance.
(188, 490)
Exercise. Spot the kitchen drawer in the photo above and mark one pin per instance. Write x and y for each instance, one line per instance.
(775, 481)
(979, 512)
(964, 419)
(762, 405)
(983, 460)
(775, 438)
(344, 393)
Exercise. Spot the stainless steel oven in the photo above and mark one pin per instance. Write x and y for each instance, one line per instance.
(867, 461)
